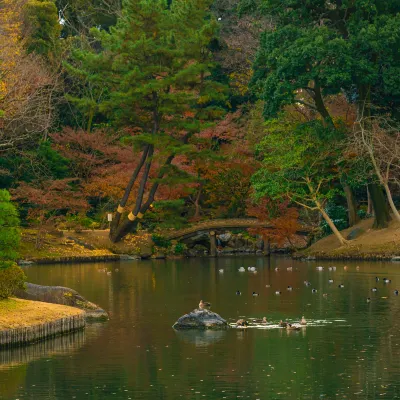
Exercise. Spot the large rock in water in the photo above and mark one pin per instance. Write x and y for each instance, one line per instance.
(61, 295)
(201, 319)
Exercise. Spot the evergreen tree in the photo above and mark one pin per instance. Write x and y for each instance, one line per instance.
(322, 48)
(155, 68)
(41, 20)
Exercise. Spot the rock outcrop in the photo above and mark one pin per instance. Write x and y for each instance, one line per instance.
(201, 319)
(62, 295)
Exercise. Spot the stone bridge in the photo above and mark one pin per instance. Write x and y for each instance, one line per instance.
(222, 224)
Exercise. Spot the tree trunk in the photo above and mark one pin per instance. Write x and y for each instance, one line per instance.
(197, 204)
(381, 209)
(124, 200)
(130, 225)
(267, 247)
(351, 205)
(391, 202)
(370, 209)
(384, 183)
(213, 244)
(143, 182)
(331, 224)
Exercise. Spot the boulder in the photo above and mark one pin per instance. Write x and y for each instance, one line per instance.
(228, 250)
(201, 319)
(25, 263)
(61, 295)
(225, 237)
(355, 233)
(159, 256)
(128, 257)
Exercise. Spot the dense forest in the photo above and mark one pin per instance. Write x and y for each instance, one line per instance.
(169, 112)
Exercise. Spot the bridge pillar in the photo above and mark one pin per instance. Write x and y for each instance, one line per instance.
(267, 247)
(213, 244)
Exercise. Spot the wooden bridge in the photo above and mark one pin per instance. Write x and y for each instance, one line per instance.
(217, 224)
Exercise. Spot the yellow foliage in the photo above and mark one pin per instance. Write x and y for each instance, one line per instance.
(240, 80)
(11, 47)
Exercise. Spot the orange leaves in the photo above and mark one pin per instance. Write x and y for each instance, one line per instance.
(284, 219)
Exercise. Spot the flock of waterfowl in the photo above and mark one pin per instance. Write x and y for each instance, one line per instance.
(242, 323)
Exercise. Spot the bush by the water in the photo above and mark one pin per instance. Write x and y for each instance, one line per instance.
(179, 249)
(161, 241)
(11, 275)
(9, 228)
(11, 278)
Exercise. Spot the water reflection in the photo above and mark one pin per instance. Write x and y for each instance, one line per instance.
(201, 338)
(65, 344)
(355, 353)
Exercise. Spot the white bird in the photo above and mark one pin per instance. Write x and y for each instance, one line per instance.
(277, 292)
(219, 19)
(252, 269)
(289, 269)
(241, 269)
(221, 271)
(320, 268)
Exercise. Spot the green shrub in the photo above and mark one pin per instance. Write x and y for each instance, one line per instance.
(179, 249)
(161, 241)
(11, 278)
(9, 229)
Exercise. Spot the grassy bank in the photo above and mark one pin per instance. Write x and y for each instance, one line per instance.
(369, 243)
(85, 244)
(17, 313)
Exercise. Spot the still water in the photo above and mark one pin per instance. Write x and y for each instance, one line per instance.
(351, 351)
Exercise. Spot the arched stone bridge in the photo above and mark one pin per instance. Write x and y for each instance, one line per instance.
(216, 224)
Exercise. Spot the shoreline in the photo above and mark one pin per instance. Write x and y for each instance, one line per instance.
(25, 321)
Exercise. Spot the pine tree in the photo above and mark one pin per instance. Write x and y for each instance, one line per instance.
(155, 67)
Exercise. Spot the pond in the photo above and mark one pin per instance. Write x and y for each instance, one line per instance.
(350, 349)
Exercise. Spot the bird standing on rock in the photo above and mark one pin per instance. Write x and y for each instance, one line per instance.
(204, 305)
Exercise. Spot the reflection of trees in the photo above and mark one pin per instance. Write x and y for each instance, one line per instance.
(138, 347)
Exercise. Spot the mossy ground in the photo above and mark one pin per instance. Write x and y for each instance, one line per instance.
(18, 313)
